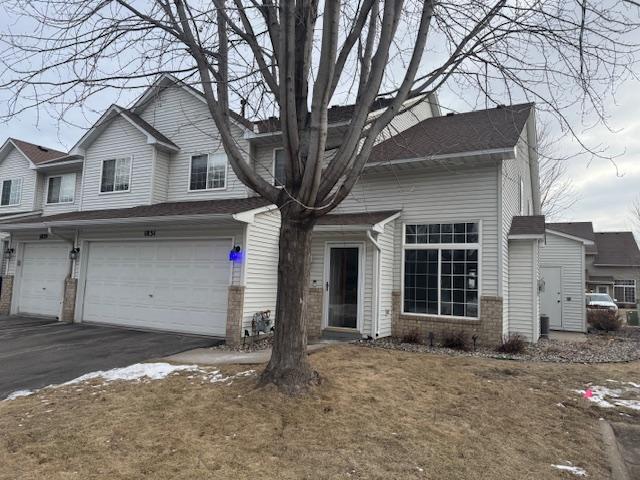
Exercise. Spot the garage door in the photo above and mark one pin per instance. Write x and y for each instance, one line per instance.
(178, 286)
(44, 268)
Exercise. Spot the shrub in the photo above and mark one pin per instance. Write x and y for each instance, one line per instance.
(455, 340)
(411, 337)
(512, 344)
(604, 320)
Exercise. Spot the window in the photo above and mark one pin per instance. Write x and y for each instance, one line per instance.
(279, 173)
(116, 175)
(624, 291)
(208, 172)
(441, 269)
(11, 192)
(61, 188)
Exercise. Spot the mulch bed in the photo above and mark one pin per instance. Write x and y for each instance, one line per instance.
(621, 346)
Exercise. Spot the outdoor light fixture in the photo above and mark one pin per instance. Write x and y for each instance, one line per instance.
(235, 255)
(73, 254)
(8, 253)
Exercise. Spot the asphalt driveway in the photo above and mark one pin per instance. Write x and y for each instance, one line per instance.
(37, 352)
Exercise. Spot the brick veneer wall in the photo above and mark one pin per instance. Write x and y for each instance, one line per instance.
(314, 313)
(488, 327)
(69, 299)
(235, 307)
(6, 294)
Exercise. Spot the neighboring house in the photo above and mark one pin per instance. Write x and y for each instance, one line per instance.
(612, 262)
(145, 225)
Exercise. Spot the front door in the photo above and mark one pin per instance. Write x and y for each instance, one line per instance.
(343, 286)
(551, 297)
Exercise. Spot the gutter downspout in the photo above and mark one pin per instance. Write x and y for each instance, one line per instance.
(376, 285)
(72, 242)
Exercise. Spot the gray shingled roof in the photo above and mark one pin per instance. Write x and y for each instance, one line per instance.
(204, 207)
(577, 229)
(135, 118)
(361, 218)
(489, 129)
(617, 248)
(37, 153)
(527, 225)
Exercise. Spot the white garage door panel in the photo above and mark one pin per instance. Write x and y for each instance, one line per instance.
(168, 285)
(44, 268)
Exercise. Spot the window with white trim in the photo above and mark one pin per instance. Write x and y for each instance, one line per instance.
(11, 192)
(61, 188)
(116, 175)
(624, 291)
(279, 172)
(441, 269)
(208, 172)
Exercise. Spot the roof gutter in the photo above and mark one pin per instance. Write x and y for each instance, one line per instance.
(503, 153)
(116, 221)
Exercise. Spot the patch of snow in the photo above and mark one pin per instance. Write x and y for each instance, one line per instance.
(18, 394)
(632, 404)
(137, 371)
(577, 471)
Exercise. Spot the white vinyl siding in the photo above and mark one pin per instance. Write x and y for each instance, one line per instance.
(387, 257)
(160, 177)
(523, 289)
(119, 140)
(185, 120)
(446, 194)
(261, 266)
(13, 167)
(568, 254)
(515, 178)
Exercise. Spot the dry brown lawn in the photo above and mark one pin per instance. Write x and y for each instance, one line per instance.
(379, 414)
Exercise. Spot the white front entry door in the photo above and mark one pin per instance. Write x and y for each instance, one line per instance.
(44, 268)
(551, 296)
(178, 286)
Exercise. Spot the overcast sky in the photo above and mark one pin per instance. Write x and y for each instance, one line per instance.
(605, 190)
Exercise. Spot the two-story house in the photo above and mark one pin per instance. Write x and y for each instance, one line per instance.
(143, 224)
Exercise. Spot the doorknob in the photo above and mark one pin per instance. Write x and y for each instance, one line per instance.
(326, 284)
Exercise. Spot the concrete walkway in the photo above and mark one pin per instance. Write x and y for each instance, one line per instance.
(215, 356)
(628, 438)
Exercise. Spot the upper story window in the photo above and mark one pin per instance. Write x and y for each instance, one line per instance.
(11, 192)
(116, 175)
(279, 172)
(61, 188)
(208, 172)
(441, 269)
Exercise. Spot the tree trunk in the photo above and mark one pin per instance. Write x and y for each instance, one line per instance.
(289, 368)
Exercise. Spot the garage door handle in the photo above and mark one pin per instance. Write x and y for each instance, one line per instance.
(44, 288)
(150, 295)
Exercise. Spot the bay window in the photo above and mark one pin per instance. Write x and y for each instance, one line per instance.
(441, 269)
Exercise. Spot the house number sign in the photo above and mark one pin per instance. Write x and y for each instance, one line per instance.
(149, 233)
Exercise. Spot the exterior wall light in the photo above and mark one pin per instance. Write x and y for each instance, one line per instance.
(8, 253)
(73, 254)
(235, 255)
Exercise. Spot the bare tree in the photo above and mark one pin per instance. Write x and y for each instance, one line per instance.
(635, 213)
(296, 57)
(557, 192)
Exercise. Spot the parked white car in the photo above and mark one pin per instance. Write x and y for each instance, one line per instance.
(601, 301)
